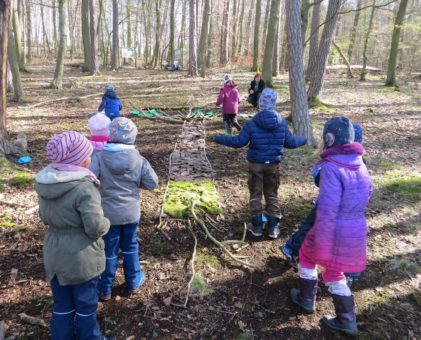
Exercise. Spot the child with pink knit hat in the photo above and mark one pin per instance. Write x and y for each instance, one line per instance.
(100, 132)
(70, 205)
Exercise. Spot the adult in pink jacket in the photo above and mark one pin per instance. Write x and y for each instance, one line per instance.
(337, 242)
(229, 98)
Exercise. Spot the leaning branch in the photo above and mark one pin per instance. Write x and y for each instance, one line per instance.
(61, 99)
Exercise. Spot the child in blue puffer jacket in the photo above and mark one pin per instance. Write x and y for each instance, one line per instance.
(110, 103)
(266, 134)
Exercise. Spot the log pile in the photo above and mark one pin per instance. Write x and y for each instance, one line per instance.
(188, 161)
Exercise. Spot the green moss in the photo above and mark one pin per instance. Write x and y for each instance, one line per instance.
(317, 104)
(203, 259)
(404, 185)
(6, 220)
(22, 179)
(200, 286)
(181, 196)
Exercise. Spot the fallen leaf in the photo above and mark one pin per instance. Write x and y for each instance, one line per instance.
(167, 301)
(242, 325)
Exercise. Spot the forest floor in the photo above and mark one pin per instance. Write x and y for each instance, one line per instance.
(230, 302)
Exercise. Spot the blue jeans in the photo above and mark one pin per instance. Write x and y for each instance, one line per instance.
(122, 237)
(74, 311)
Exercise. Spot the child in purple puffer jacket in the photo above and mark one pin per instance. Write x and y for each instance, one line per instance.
(338, 239)
(229, 97)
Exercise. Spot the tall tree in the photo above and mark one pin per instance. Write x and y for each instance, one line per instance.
(57, 82)
(314, 39)
(18, 40)
(354, 30)
(266, 20)
(44, 29)
(234, 29)
(14, 67)
(256, 43)
(203, 42)
(317, 76)
(275, 60)
(210, 33)
(192, 40)
(4, 42)
(53, 5)
(183, 29)
(305, 8)
(299, 106)
(116, 44)
(157, 48)
(86, 36)
(366, 39)
(129, 24)
(28, 31)
(248, 29)
(223, 57)
(241, 25)
(171, 51)
(270, 42)
(94, 41)
(394, 48)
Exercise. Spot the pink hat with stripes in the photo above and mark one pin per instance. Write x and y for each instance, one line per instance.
(69, 148)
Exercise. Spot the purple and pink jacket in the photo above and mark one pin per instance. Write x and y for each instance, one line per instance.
(338, 239)
(229, 98)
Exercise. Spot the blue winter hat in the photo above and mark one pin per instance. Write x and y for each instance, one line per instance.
(338, 131)
(359, 133)
(123, 130)
(267, 100)
(109, 87)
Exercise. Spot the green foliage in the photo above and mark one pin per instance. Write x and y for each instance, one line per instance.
(6, 220)
(406, 186)
(181, 196)
(203, 259)
(22, 179)
(199, 286)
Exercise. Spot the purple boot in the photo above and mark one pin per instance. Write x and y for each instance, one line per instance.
(345, 320)
(305, 297)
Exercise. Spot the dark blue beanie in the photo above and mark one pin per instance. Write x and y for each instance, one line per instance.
(338, 131)
(359, 132)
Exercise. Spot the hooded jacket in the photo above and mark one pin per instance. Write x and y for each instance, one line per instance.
(229, 97)
(338, 239)
(70, 205)
(122, 171)
(267, 134)
(110, 104)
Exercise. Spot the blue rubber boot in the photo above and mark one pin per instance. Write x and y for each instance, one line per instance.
(256, 225)
(305, 296)
(274, 227)
(345, 320)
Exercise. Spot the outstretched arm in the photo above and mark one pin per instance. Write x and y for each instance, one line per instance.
(235, 141)
(292, 142)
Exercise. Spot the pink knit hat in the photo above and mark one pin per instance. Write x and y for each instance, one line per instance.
(99, 125)
(69, 148)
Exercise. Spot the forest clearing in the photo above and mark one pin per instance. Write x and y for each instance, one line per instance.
(320, 105)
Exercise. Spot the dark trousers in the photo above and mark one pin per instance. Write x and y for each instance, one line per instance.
(264, 181)
(122, 237)
(230, 120)
(74, 311)
(253, 99)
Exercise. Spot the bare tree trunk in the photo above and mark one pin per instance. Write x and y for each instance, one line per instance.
(393, 56)
(192, 41)
(14, 67)
(248, 29)
(234, 30)
(275, 60)
(129, 24)
(256, 44)
(270, 42)
(203, 42)
(314, 39)
(28, 31)
(86, 36)
(354, 30)
(266, 22)
(22, 22)
(18, 40)
(4, 41)
(366, 39)
(224, 56)
(317, 77)
(9, 81)
(57, 82)
(299, 106)
(305, 8)
(171, 51)
(157, 48)
(209, 49)
(283, 62)
(114, 58)
(241, 23)
(94, 41)
(183, 30)
(55, 39)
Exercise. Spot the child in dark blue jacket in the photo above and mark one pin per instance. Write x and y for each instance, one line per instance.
(266, 134)
(110, 103)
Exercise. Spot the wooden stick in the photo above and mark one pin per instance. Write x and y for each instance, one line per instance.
(60, 99)
(193, 271)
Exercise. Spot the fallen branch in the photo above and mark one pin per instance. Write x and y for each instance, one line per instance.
(193, 271)
(32, 320)
(218, 243)
(61, 99)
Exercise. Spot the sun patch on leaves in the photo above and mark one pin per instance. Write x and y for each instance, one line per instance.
(404, 185)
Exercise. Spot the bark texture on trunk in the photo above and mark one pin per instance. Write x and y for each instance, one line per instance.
(14, 67)
(354, 30)
(299, 105)
(4, 42)
(203, 42)
(366, 39)
(57, 82)
(314, 40)
(116, 48)
(86, 35)
(94, 40)
(224, 57)
(192, 40)
(256, 40)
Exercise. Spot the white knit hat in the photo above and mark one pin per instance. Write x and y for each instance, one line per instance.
(227, 78)
(99, 125)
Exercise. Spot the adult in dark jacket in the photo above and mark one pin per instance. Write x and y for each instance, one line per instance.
(255, 90)
(110, 103)
(266, 134)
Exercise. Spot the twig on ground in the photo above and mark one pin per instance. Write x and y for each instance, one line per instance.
(60, 100)
(193, 271)
(32, 320)
(244, 232)
(218, 243)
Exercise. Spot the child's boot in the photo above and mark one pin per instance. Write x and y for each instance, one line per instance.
(345, 320)
(256, 225)
(305, 297)
(228, 128)
(288, 253)
(274, 225)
